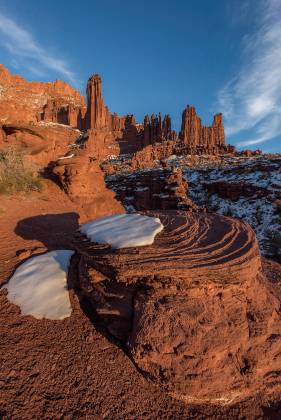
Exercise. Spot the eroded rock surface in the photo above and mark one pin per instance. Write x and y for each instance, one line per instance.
(194, 310)
(163, 189)
(30, 102)
(41, 143)
(82, 179)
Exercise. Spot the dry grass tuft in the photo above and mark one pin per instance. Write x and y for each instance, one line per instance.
(15, 176)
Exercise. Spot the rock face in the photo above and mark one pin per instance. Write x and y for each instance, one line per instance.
(40, 144)
(235, 190)
(97, 113)
(194, 310)
(199, 139)
(30, 102)
(58, 111)
(82, 179)
(159, 189)
(157, 130)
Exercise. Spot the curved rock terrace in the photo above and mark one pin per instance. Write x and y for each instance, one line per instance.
(189, 308)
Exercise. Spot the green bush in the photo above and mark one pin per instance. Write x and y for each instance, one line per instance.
(15, 176)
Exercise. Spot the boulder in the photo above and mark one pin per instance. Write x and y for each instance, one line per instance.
(194, 310)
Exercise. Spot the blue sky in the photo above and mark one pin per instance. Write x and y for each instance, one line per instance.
(219, 55)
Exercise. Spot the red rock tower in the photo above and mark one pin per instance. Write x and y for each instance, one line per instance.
(191, 127)
(97, 112)
(218, 129)
(198, 138)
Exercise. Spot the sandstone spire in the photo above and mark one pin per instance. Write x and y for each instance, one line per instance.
(198, 138)
(97, 113)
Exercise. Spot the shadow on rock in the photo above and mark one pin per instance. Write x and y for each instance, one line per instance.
(55, 231)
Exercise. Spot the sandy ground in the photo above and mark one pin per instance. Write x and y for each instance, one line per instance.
(68, 369)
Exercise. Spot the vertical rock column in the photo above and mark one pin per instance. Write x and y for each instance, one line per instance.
(191, 127)
(200, 139)
(97, 113)
(218, 129)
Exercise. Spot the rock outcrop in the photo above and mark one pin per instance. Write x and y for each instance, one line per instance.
(40, 143)
(30, 102)
(235, 190)
(196, 138)
(97, 113)
(157, 130)
(194, 310)
(58, 111)
(151, 190)
(81, 177)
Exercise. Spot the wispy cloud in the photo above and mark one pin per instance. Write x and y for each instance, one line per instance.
(22, 45)
(252, 100)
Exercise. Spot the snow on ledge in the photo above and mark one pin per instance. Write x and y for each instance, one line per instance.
(123, 230)
(39, 286)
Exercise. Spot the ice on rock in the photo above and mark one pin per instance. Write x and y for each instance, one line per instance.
(123, 230)
(39, 286)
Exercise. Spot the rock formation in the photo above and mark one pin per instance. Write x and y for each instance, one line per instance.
(81, 177)
(30, 102)
(56, 102)
(157, 130)
(40, 143)
(97, 113)
(57, 111)
(151, 190)
(194, 310)
(199, 139)
(235, 190)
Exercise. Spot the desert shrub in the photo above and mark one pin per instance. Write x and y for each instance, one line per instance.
(15, 176)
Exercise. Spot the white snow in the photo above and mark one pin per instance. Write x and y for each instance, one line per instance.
(66, 157)
(123, 230)
(39, 286)
(260, 213)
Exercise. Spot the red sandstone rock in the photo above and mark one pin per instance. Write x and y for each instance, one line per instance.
(199, 139)
(2, 137)
(80, 175)
(24, 101)
(249, 153)
(146, 157)
(56, 110)
(156, 189)
(155, 130)
(57, 102)
(97, 114)
(235, 190)
(194, 309)
(40, 144)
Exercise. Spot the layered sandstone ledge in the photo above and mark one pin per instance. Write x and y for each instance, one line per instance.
(193, 310)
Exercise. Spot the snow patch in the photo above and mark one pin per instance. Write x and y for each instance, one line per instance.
(39, 286)
(66, 157)
(123, 230)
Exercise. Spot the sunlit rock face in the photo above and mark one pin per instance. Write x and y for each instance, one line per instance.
(30, 102)
(193, 309)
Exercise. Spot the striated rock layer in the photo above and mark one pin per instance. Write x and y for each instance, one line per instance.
(194, 310)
